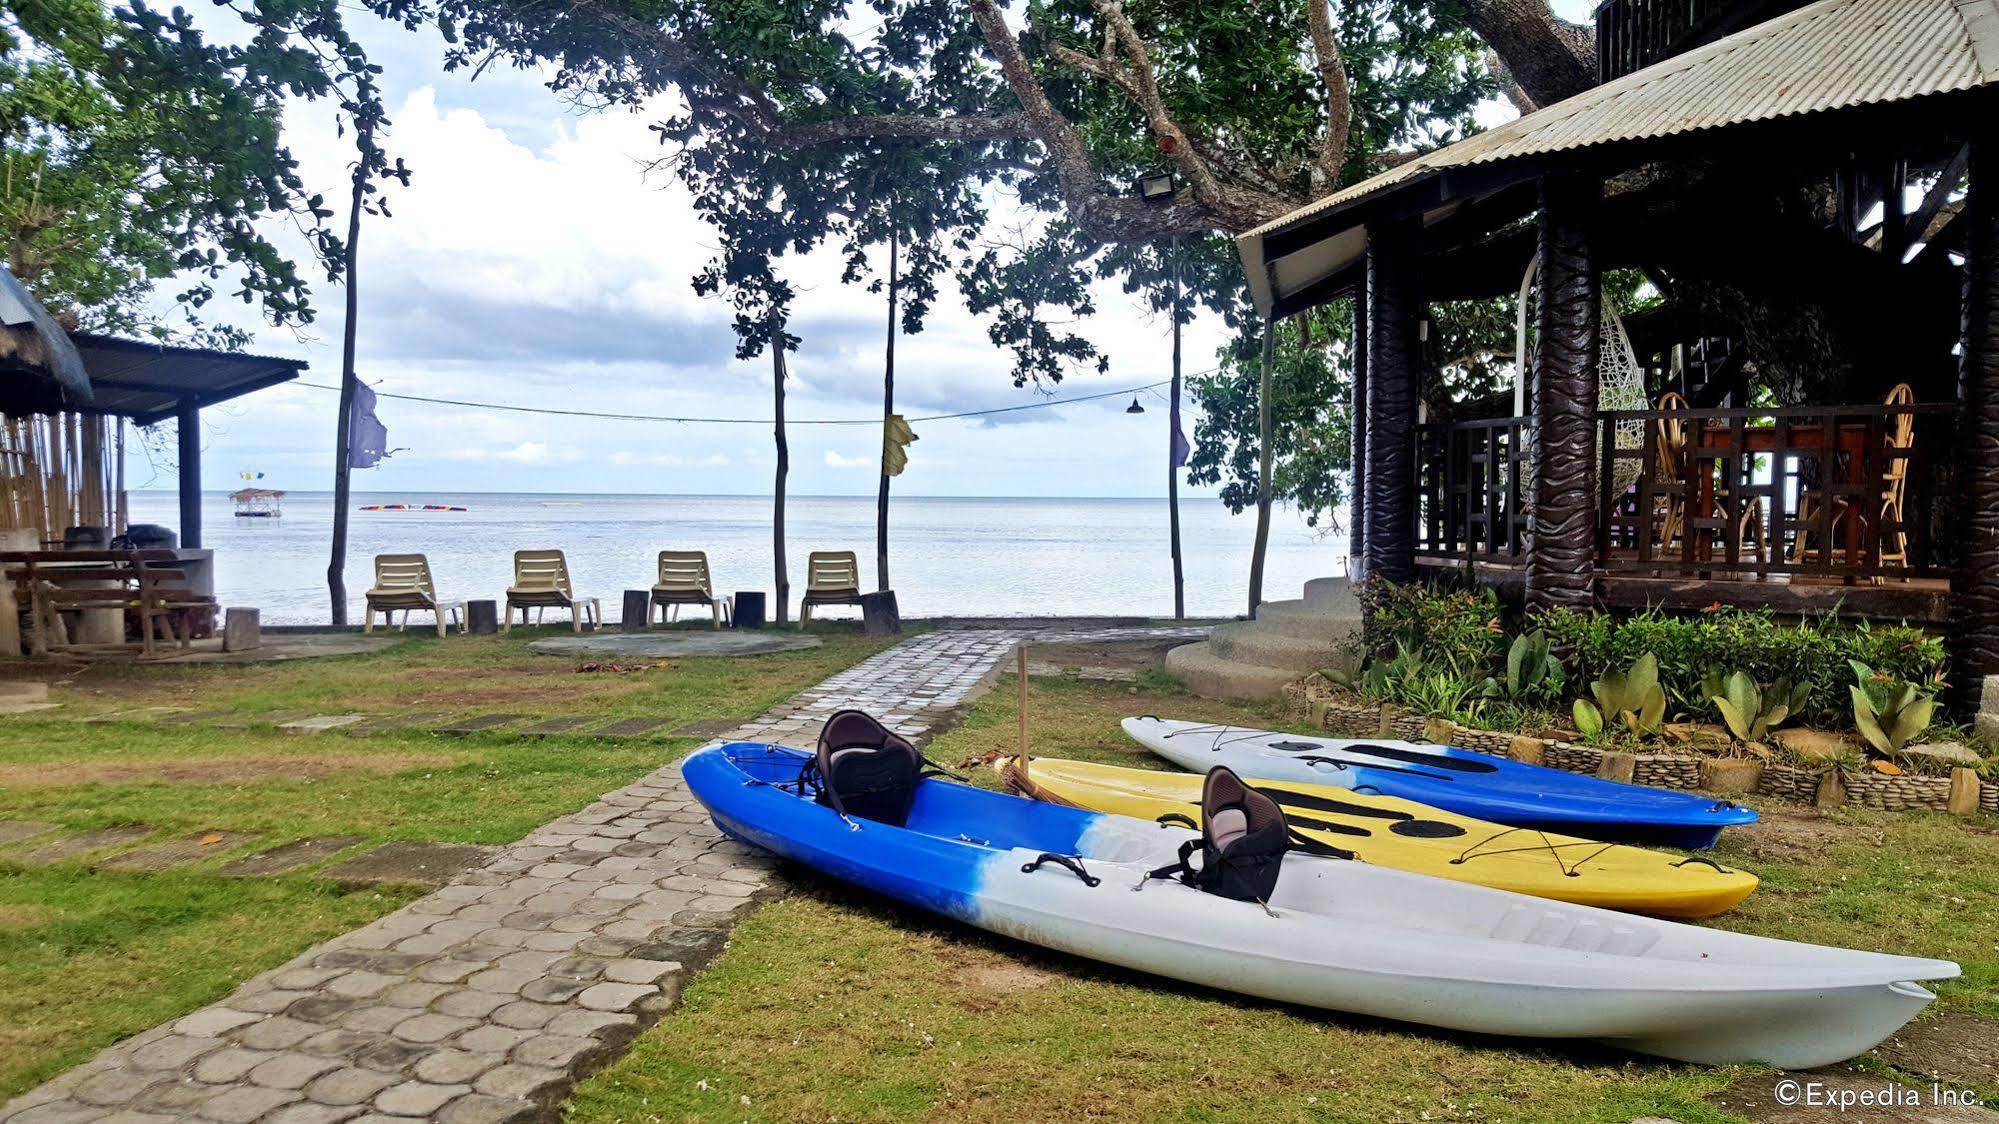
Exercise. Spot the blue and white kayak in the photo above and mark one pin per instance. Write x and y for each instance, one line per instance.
(1457, 780)
(1345, 936)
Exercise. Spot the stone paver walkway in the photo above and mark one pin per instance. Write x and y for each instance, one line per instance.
(486, 1000)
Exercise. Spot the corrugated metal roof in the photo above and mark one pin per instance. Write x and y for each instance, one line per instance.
(1835, 54)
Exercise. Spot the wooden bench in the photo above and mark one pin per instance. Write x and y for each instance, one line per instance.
(50, 582)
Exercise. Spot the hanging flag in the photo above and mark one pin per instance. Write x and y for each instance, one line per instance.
(896, 436)
(367, 437)
(1182, 451)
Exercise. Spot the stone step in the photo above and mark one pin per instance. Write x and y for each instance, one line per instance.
(1250, 643)
(1296, 618)
(1334, 595)
(1211, 677)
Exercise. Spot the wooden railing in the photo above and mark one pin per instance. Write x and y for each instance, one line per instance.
(1834, 491)
(1634, 34)
(1471, 490)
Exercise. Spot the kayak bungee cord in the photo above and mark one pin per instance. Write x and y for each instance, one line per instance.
(1552, 848)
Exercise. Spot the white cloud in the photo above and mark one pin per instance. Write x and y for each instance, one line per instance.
(835, 460)
(527, 453)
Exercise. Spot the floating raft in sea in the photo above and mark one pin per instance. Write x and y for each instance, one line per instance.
(413, 507)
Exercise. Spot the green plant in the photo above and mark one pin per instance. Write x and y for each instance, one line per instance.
(1532, 672)
(1459, 629)
(1749, 709)
(1631, 699)
(1813, 652)
(1889, 712)
(1438, 693)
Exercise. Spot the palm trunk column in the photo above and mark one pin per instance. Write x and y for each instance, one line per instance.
(1357, 430)
(1975, 593)
(1561, 524)
(1394, 353)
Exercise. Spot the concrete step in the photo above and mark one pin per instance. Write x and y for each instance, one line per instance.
(1249, 642)
(1211, 677)
(1333, 595)
(1296, 618)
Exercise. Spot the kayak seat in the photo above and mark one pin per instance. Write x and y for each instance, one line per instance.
(865, 770)
(1242, 844)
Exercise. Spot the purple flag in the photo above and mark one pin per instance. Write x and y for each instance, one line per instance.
(367, 437)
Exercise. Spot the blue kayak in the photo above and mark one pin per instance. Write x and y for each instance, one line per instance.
(1456, 780)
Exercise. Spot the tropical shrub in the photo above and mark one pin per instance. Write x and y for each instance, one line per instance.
(1631, 699)
(1813, 653)
(1533, 673)
(1750, 709)
(1457, 628)
(1889, 712)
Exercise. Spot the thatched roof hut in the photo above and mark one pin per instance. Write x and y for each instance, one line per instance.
(40, 369)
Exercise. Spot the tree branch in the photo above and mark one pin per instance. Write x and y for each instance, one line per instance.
(1102, 216)
(1548, 58)
(1339, 96)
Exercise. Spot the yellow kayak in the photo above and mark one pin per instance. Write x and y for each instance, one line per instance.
(1416, 837)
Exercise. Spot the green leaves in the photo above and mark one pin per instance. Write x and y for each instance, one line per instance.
(1750, 710)
(1631, 699)
(1890, 713)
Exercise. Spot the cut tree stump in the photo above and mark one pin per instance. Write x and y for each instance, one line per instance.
(482, 618)
(878, 614)
(242, 630)
(637, 614)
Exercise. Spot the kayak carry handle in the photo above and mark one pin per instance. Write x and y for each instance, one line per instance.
(1073, 862)
(1719, 869)
(1178, 817)
(1316, 760)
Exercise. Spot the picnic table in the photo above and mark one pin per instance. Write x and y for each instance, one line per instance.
(49, 583)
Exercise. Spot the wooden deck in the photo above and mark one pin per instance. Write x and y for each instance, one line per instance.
(1925, 601)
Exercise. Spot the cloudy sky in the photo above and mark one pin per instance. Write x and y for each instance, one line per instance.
(531, 263)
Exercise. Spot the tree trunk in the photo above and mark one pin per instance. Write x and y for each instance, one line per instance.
(1546, 57)
(888, 407)
(1263, 458)
(783, 469)
(1172, 453)
(336, 566)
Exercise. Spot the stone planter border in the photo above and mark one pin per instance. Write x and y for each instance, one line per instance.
(1345, 717)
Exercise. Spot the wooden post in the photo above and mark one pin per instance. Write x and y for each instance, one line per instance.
(1394, 358)
(189, 435)
(1260, 549)
(336, 565)
(1974, 633)
(888, 408)
(1561, 565)
(783, 469)
(1173, 451)
(1020, 673)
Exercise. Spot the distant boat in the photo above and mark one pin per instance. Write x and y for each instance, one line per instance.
(413, 507)
(257, 503)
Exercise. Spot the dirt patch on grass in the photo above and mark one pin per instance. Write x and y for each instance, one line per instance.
(16, 918)
(1008, 978)
(214, 770)
(1124, 655)
(1787, 834)
(1955, 1047)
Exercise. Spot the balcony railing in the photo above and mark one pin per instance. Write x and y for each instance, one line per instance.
(1839, 493)
(1471, 490)
(1634, 34)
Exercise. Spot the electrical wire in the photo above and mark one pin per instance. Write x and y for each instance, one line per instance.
(1151, 386)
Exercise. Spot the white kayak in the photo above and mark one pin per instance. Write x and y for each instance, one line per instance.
(1347, 936)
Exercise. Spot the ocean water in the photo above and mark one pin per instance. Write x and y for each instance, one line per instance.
(947, 557)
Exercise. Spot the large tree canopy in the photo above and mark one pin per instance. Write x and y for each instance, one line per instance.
(134, 149)
(815, 120)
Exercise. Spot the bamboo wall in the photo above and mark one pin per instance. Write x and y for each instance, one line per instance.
(59, 471)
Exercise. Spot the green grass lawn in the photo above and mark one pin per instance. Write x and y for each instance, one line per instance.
(832, 1005)
(88, 955)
